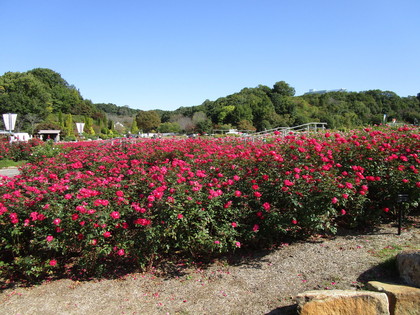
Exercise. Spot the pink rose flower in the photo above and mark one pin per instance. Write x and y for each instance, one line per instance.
(115, 215)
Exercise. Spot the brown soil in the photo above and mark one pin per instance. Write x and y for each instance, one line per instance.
(264, 283)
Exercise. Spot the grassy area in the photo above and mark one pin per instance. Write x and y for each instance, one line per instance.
(9, 163)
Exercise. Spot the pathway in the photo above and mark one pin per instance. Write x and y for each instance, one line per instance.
(10, 171)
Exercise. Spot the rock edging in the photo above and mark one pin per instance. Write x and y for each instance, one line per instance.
(382, 299)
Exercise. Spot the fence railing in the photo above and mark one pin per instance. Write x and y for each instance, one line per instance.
(312, 126)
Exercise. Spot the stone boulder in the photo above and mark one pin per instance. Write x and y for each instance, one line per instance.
(403, 300)
(342, 302)
(408, 263)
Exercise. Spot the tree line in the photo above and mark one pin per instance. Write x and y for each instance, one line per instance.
(263, 107)
(44, 100)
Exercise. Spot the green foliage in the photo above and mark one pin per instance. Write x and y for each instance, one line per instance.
(283, 89)
(246, 125)
(43, 96)
(169, 127)
(44, 151)
(41, 92)
(69, 126)
(134, 128)
(353, 109)
(17, 151)
(204, 126)
(69, 138)
(110, 125)
(89, 126)
(47, 126)
(117, 110)
(148, 120)
(338, 109)
(23, 93)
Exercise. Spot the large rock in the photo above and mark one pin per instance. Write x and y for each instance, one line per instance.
(408, 263)
(342, 302)
(403, 300)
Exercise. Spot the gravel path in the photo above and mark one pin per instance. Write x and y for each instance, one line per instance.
(9, 171)
(263, 284)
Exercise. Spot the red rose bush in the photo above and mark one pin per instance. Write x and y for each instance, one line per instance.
(113, 203)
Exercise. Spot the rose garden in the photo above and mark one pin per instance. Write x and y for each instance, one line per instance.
(89, 208)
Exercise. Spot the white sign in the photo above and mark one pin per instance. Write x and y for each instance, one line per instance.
(80, 127)
(9, 121)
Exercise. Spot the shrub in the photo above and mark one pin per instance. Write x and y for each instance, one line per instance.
(44, 151)
(19, 150)
(101, 204)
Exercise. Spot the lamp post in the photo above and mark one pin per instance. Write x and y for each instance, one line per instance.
(9, 121)
(80, 127)
(401, 198)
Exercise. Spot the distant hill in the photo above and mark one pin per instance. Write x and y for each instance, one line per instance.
(42, 97)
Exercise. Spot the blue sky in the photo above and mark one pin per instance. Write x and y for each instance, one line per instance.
(167, 54)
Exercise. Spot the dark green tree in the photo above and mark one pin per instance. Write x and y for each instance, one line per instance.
(168, 127)
(283, 88)
(246, 125)
(23, 94)
(204, 126)
(148, 120)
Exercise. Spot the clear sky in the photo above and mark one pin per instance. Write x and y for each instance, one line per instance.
(164, 54)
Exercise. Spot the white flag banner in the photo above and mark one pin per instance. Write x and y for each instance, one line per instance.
(80, 127)
(9, 121)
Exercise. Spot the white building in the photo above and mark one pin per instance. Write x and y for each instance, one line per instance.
(313, 91)
(20, 136)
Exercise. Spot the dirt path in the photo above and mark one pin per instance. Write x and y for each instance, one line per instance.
(9, 171)
(263, 284)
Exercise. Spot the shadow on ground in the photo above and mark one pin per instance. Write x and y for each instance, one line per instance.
(285, 310)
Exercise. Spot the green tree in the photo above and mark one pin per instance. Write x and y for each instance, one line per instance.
(204, 126)
(42, 92)
(61, 120)
(148, 120)
(111, 128)
(282, 104)
(262, 108)
(303, 112)
(201, 122)
(246, 125)
(242, 113)
(69, 128)
(225, 114)
(23, 94)
(169, 127)
(89, 125)
(284, 89)
(134, 129)
(48, 77)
